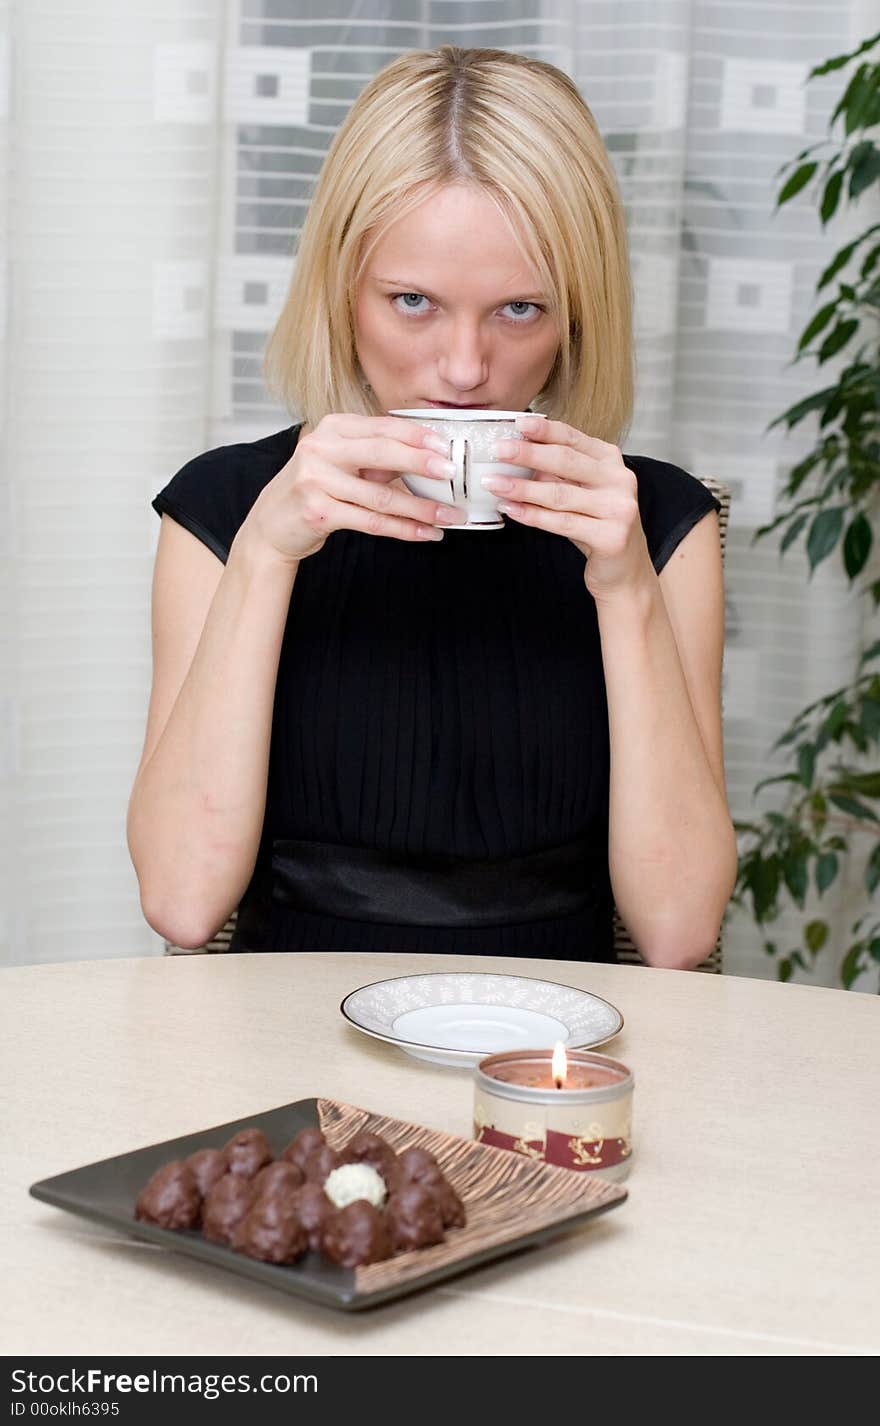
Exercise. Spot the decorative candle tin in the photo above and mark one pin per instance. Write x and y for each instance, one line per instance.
(586, 1126)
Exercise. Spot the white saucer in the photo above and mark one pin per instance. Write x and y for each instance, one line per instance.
(458, 1017)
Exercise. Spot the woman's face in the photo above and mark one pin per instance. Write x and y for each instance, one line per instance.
(450, 313)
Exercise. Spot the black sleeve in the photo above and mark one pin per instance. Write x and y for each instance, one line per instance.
(671, 502)
(212, 495)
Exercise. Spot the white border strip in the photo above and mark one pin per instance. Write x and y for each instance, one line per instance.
(673, 1322)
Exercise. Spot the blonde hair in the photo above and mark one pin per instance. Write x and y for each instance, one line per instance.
(519, 129)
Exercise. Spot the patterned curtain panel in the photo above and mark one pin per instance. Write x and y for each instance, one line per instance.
(158, 162)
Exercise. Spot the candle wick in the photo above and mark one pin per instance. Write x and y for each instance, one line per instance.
(558, 1083)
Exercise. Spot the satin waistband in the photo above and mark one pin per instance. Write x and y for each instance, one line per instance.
(362, 884)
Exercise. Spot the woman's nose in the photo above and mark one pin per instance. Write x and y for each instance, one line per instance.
(463, 364)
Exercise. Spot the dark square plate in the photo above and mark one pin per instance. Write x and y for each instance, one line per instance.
(511, 1202)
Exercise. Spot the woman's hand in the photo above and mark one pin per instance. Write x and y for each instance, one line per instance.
(344, 475)
(581, 489)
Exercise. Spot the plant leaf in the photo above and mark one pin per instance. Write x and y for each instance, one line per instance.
(792, 532)
(851, 967)
(838, 338)
(831, 196)
(833, 725)
(779, 777)
(826, 870)
(798, 474)
(818, 323)
(837, 62)
(806, 758)
(854, 808)
(815, 935)
(765, 885)
(799, 179)
(839, 261)
(803, 408)
(870, 719)
(824, 534)
(864, 172)
(872, 870)
(859, 99)
(795, 871)
(860, 102)
(864, 782)
(841, 59)
(857, 545)
(849, 94)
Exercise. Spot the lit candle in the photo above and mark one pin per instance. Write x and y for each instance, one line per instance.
(573, 1109)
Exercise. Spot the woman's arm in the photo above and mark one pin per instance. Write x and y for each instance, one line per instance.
(672, 846)
(198, 801)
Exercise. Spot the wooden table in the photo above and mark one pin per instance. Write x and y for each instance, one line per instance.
(751, 1225)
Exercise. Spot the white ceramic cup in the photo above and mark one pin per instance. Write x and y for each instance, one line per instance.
(470, 435)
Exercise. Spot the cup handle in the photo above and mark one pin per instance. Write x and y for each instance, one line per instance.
(460, 455)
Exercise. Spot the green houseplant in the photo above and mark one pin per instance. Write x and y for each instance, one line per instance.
(831, 502)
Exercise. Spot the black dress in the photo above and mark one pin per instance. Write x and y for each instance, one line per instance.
(437, 705)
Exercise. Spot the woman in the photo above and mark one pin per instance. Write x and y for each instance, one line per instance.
(369, 735)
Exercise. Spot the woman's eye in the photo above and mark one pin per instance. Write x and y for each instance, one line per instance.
(408, 301)
(519, 314)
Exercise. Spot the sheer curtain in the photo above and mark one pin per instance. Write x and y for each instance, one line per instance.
(158, 161)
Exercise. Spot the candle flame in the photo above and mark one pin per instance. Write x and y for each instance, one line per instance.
(560, 1065)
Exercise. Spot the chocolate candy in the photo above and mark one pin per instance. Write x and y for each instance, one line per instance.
(418, 1161)
(356, 1234)
(372, 1149)
(451, 1206)
(313, 1209)
(414, 1217)
(225, 1206)
(246, 1152)
(171, 1199)
(280, 1175)
(320, 1164)
(303, 1144)
(271, 1232)
(420, 1166)
(208, 1165)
